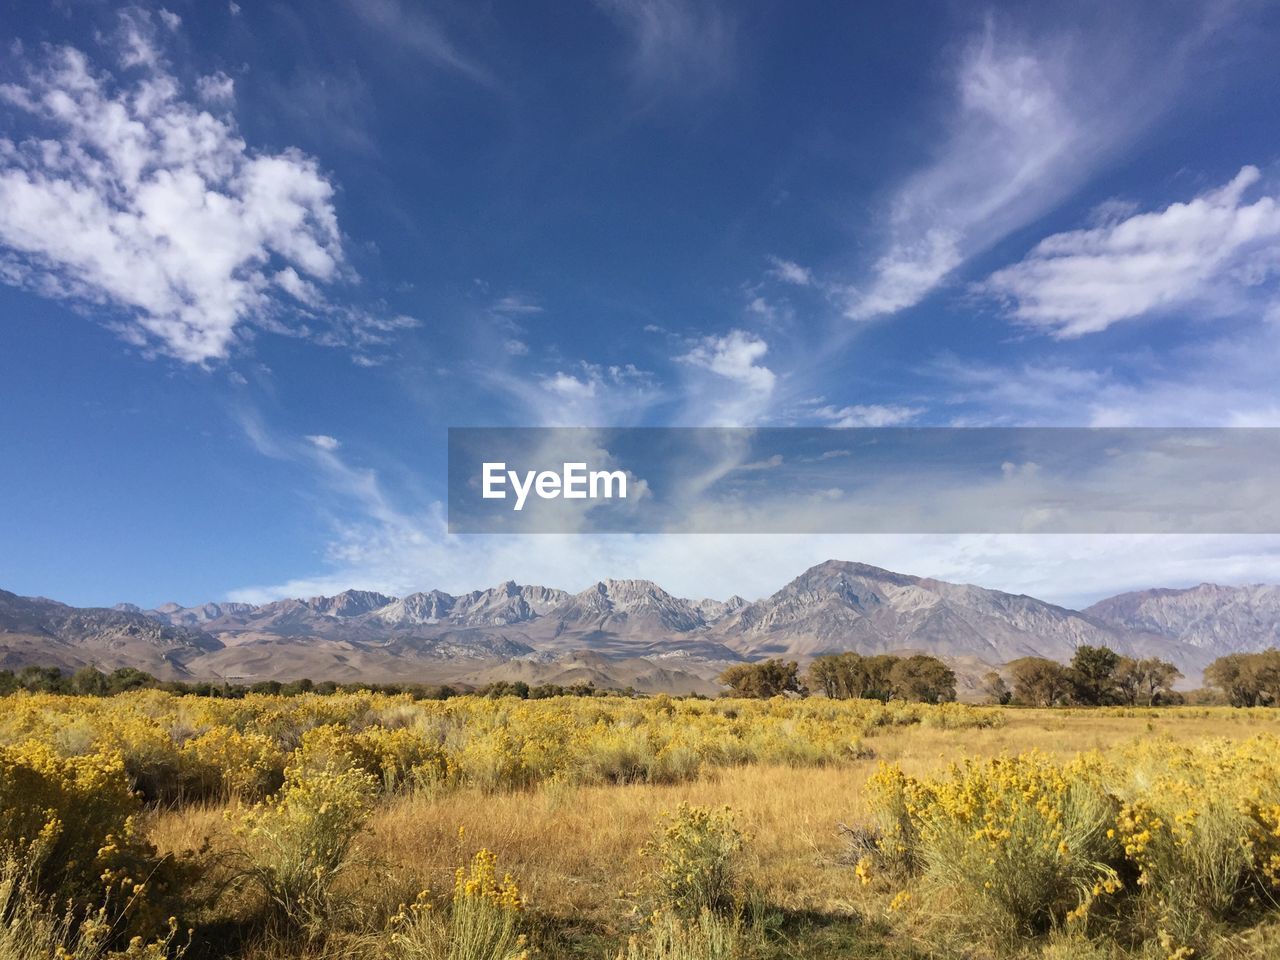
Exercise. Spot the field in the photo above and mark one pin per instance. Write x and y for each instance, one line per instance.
(362, 825)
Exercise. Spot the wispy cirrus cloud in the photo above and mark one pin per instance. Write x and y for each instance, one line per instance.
(1018, 142)
(122, 192)
(1032, 118)
(676, 45)
(1216, 249)
(411, 27)
(867, 415)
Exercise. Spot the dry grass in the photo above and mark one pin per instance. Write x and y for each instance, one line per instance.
(576, 849)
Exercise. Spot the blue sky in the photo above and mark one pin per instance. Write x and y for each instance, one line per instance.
(256, 258)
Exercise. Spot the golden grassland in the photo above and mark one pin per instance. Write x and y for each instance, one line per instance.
(360, 825)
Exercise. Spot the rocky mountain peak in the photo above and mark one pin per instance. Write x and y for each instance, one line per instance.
(349, 603)
(1207, 616)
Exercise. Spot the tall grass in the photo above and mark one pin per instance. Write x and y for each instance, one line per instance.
(708, 936)
(34, 928)
(480, 922)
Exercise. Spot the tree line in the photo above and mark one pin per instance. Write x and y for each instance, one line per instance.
(89, 681)
(1095, 677)
(845, 676)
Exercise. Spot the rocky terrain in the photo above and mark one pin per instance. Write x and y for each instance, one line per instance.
(628, 632)
(1208, 617)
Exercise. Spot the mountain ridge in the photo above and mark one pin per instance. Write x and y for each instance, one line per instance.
(643, 634)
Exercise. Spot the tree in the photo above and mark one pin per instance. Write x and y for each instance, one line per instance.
(41, 679)
(1039, 682)
(996, 689)
(922, 678)
(1145, 681)
(1093, 674)
(770, 678)
(1247, 679)
(90, 681)
(129, 678)
(845, 676)
(834, 675)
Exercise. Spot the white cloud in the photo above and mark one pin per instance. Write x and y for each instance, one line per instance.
(323, 441)
(515, 305)
(789, 272)
(141, 201)
(1030, 120)
(407, 552)
(1209, 248)
(769, 463)
(586, 395)
(571, 388)
(376, 543)
(216, 89)
(866, 415)
(736, 357)
(677, 45)
(136, 40)
(1226, 381)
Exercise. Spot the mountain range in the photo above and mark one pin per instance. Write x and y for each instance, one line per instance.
(629, 632)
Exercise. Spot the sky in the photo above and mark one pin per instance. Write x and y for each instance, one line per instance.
(257, 258)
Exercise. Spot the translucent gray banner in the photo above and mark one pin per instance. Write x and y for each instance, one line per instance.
(873, 480)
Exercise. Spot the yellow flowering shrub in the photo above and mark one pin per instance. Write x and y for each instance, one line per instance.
(298, 842)
(697, 861)
(1022, 840)
(481, 921)
(71, 815)
(1179, 838)
(33, 928)
(224, 764)
(1199, 824)
(178, 749)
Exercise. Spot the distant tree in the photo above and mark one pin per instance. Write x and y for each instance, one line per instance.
(1247, 679)
(296, 687)
(1148, 681)
(875, 682)
(771, 678)
(1267, 676)
(8, 683)
(844, 676)
(1039, 682)
(271, 687)
(996, 690)
(1093, 675)
(90, 681)
(42, 679)
(833, 675)
(923, 679)
(129, 678)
